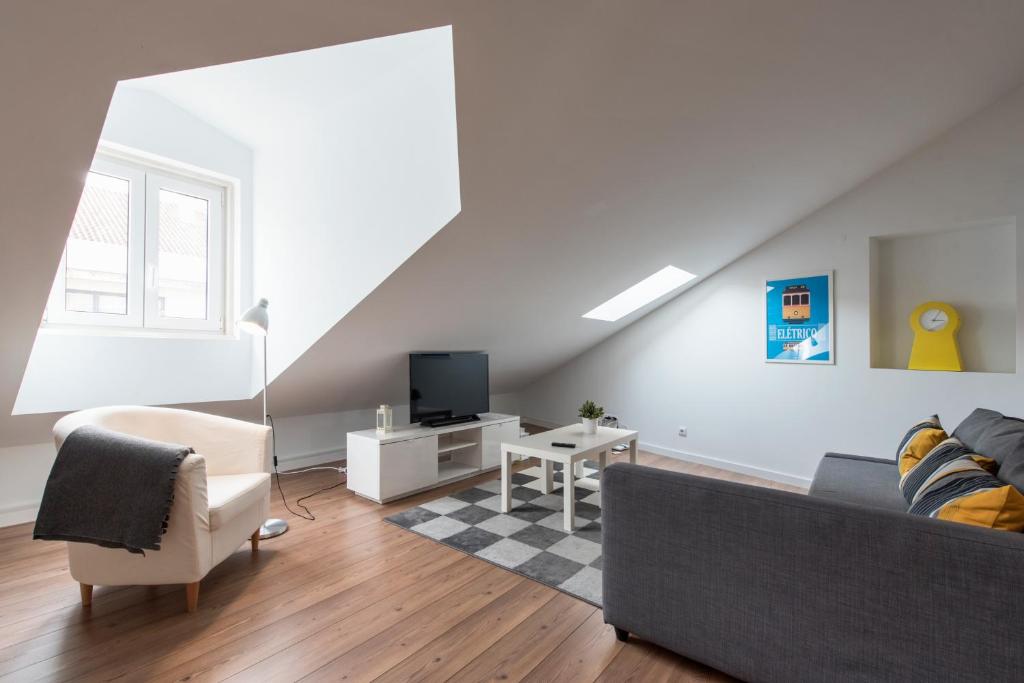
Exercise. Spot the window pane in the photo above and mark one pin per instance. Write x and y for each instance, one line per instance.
(182, 258)
(97, 249)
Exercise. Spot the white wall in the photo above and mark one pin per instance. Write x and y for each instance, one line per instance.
(306, 440)
(70, 371)
(74, 371)
(697, 361)
(21, 486)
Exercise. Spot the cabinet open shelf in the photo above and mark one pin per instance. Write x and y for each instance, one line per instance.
(454, 470)
(454, 446)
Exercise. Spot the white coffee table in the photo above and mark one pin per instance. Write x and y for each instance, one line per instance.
(588, 446)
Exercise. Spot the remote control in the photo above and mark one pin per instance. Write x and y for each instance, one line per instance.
(562, 444)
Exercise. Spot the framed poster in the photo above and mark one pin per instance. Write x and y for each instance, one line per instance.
(799, 325)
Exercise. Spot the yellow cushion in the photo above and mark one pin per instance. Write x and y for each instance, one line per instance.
(919, 441)
(965, 490)
(995, 508)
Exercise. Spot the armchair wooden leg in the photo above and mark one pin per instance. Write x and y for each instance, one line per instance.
(255, 540)
(86, 590)
(192, 596)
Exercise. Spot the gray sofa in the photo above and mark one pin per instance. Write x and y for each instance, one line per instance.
(838, 585)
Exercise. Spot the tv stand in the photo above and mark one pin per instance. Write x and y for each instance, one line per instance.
(448, 421)
(414, 458)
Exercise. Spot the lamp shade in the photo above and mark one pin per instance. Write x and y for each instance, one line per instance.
(255, 320)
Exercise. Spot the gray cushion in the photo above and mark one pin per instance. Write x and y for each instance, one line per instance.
(857, 479)
(989, 433)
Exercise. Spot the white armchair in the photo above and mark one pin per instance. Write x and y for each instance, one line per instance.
(221, 497)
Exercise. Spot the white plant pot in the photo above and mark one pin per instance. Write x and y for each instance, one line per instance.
(589, 426)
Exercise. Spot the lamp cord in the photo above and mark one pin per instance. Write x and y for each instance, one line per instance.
(277, 475)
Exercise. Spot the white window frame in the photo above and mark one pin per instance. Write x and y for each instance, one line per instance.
(216, 271)
(147, 175)
(56, 311)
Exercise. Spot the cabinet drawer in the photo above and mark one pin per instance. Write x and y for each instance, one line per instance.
(509, 431)
(407, 466)
(493, 436)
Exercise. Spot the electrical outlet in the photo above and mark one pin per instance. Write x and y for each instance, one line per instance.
(682, 431)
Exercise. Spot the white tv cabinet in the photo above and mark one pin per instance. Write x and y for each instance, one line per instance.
(413, 458)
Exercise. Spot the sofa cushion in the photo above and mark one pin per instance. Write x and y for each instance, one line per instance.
(873, 482)
(918, 442)
(964, 490)
(945, 452)
(230, 494)
(1000, 438)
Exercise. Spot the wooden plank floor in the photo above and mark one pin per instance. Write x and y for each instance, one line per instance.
(345, 597)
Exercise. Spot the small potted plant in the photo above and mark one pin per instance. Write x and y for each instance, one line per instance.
(590, 412)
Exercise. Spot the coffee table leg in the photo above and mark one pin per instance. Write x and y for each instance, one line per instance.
(548, 477)
(506, 481)
(568, 486)
(632, 451)
(602, 461)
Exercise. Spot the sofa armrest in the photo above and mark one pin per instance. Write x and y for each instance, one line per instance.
(185, 548)
(866, 458)
(771, 585)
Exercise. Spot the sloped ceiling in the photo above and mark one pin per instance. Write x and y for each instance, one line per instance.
(623, 140)
(598, 142)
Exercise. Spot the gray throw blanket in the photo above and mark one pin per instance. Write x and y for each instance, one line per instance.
(110, 489)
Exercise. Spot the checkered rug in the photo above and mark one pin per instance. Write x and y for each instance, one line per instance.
(530, 539)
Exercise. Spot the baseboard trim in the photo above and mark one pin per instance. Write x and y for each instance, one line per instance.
(297, 461)
(723, 464)
(19, 513)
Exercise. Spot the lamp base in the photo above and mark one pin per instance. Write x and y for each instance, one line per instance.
(272, 528)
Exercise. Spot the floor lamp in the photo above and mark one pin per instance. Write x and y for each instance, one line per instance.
(255, 321)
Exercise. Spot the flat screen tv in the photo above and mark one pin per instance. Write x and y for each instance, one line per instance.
(447, 388)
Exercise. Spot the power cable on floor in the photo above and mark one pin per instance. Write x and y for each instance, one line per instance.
(299, 502)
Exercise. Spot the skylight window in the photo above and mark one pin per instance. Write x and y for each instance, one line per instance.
(642, 293)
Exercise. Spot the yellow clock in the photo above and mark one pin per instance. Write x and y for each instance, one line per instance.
(935, 325)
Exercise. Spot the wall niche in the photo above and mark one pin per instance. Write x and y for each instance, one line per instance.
(972, 268)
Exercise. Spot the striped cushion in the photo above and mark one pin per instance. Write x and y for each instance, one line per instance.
(964, 490)
(922, 469)
(965, 466)
(917, 443)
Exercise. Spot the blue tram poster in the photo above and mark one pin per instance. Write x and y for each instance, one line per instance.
(798, 320)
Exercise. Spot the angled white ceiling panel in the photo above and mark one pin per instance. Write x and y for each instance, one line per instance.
(355, 167)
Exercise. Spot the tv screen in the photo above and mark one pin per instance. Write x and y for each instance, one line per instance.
(447, 385)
